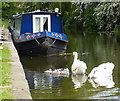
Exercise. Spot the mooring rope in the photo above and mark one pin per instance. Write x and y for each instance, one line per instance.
(53, 42)
(37, 42)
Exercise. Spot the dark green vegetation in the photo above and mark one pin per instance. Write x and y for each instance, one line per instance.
(5, 83)
(85, 16)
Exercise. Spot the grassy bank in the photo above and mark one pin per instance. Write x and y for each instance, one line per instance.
(5, 80)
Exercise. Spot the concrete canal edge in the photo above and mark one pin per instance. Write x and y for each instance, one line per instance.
(20, 88)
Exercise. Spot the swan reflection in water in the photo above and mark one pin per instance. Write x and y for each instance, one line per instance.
(78, 80)
(49, 80)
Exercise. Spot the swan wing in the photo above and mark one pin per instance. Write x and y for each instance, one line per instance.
(106, 69)
(79, 67)
(93, 72)
(82, 64)
(103, 70)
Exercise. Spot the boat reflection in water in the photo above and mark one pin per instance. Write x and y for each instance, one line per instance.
(34, 68)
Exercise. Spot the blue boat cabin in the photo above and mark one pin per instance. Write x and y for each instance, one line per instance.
(38, 22)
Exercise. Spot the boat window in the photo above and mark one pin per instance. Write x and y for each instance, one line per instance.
(17, 24)
(41, 23)
(37, 22)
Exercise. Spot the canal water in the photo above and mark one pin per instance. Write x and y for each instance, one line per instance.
(98, 49)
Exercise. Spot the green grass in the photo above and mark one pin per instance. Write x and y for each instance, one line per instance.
(5, 71)
(6, 54)
(5, 93)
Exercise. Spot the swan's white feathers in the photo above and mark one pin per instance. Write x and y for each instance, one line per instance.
(78, 67)
(103, 70)
(78, 80)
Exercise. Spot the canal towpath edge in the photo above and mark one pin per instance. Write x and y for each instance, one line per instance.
(20, 88)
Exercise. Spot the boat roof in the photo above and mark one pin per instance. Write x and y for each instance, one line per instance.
(37, 12)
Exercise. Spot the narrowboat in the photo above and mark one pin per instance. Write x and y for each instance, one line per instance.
(39, 32)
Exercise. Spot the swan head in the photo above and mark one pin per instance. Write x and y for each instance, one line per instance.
(75, 53)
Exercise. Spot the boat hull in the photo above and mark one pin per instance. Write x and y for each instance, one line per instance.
(44, 46)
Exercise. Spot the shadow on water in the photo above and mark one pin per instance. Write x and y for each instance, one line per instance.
(34, 67)
(42, 63)
(100, 49)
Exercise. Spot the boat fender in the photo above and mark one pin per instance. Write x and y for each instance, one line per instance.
(46, 44)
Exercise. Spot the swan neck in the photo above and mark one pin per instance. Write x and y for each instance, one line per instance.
(75, 57)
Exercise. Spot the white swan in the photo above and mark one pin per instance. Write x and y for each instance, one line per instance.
(102, 75)
(103, 70)
(78, 67)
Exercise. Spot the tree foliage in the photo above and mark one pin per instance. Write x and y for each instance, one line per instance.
(107, 15)
(100, 16)
(83, 16)
(9, 9)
